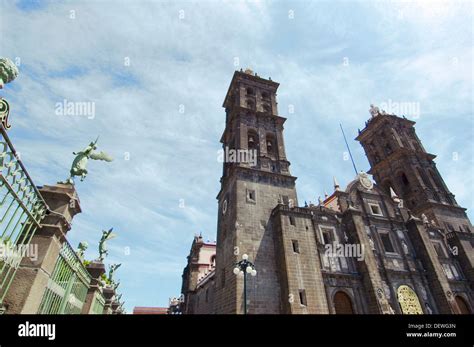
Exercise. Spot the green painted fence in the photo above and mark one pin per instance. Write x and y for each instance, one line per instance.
(21, 210)
(67, 287)
(98, 304)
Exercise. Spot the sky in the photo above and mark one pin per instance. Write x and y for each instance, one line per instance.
(157, 72)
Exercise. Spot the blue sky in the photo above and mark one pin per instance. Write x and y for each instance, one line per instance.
(332, 59)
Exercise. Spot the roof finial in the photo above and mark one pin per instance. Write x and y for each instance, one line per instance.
(326, 195)
(320, 200)
(336, 184)
(394, 196)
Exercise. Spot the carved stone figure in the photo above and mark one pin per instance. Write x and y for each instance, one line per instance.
(106, 235)
(112, 269)
(79, 165)
(405, 247)
(374, 110)
(371, 243)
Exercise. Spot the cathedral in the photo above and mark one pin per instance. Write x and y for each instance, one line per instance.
(399, 244)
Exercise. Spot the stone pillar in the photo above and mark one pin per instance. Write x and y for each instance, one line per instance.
(462, 243)
(96, 269)
(436, 277)
(109, 294)
(115, 305)
(30, 281)
(376, 298)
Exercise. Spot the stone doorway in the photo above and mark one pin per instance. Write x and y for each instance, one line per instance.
(343, 303)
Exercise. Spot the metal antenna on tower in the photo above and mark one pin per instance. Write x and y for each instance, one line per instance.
(349, 150)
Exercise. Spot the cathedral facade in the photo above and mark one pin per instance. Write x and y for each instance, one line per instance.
(399, 245)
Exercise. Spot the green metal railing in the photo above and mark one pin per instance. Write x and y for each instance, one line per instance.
(67, 287)
(21, 210)
(98, 304)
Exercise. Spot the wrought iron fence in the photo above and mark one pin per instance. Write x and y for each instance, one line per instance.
(21, 210)
(67, 287)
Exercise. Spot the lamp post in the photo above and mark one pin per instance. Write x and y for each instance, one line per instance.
(176, 305)
(245, 267)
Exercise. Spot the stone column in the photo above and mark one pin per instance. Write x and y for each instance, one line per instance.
(463, 243)
(377, 300)
(96, 269)
(115, 305)
(436, 277)
(30, 281)
(109, 294)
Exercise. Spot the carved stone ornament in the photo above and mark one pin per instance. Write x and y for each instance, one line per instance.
(386, 289)
(224, 207)
(365, 181)
(380, 293)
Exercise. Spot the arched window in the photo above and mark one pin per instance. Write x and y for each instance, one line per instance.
(250, 91)
(342, 303)
(404, 179)
(266, 108)
(462, 305)
(265, 95)
(386, 185)
(251, 104)
(252, 140)
(270, 142)
(373, 152)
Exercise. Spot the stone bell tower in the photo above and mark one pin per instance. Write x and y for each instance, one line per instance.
(399, 160)
(255, 179)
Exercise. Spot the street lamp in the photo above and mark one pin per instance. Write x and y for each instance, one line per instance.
(245, 267)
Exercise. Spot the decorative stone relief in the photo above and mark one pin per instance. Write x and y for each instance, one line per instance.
(386, 289)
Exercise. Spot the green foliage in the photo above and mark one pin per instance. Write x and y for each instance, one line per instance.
(105, 279)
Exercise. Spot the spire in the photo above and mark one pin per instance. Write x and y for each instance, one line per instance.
(394, 196)
(336, 184)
